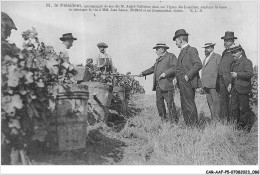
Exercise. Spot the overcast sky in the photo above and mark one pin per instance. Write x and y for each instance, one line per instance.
(131, 36)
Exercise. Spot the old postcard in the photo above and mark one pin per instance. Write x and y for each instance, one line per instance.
(129, 83)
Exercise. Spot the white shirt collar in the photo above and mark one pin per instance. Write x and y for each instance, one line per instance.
(207, 58)
(210, 54)
(185, 45)
(164, 53)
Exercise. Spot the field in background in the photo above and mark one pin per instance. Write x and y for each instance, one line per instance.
(142, 139)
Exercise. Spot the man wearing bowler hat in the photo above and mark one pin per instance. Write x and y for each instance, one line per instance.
(164, 72)
(104, 61)
(209, 75)
(188, 79)
(224, 77)
(240, 87)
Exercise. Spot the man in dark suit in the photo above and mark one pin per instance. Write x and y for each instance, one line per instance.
(164, 72)
(209, 79)
(240, 87)
(188, 79)
(224, 77)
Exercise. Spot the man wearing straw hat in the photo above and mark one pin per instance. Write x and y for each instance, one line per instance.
(224, 77)
(188, 78)
(240, 87)
(164, 72)
(209, 79)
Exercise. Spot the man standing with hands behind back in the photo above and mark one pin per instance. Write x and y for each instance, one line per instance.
(164, 72)
(188, 79)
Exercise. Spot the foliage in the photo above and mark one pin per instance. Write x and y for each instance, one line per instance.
(26, 73)
(113, 78)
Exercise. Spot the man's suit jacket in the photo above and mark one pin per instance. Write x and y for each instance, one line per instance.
(209, 71)
(225, 66)
(190, 64)
(164, 64)
(244, 69)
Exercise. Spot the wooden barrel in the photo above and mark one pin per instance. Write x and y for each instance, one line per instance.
(68, 128)
(121, 92)
(100, 96)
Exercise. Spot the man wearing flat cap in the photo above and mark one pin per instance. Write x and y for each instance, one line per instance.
(209, 75)
(188, 79)
(240, 87)
(104, 61)
(224, 77)
(163, 73)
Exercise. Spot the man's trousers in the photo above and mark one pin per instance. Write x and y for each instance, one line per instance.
(240, 111)
(213, 102)
(188, 106)
(168, 96)
(224, 100)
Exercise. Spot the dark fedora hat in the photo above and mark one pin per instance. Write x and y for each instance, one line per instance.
(229, 35)
(235, 47)
(161, 44)
(102, 45)
(67, 36)
(180, 32)
(209, 45)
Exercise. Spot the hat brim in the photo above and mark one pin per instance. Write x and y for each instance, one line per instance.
(64, 39)
(228, 37)
(209, 46)
(176, 36)
(234, 50)
(166, 47)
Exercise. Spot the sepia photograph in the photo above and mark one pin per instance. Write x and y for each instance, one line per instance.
(136, 83)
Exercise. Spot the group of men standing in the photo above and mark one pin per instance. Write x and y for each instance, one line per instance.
(226, 80)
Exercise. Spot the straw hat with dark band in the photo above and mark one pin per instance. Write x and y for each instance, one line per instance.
(209, 45)
(235, 48)
(161, 44)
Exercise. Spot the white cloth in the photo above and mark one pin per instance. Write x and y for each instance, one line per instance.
(207, 58)
(103, 59)
(183, 46)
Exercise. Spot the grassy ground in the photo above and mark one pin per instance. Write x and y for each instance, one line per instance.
(152, 142)
(142, 139)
